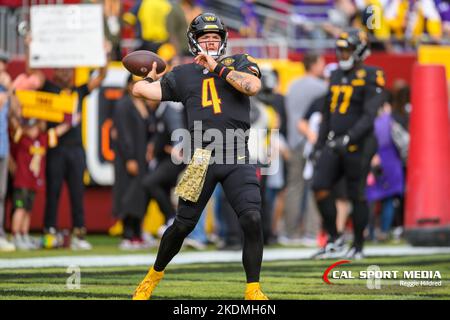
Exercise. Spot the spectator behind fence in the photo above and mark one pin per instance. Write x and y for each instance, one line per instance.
(401, 106)
(274, 184)
(309, 126)
(5, 85)
(163, 152)
(112, 10)
(164, 172)
(386, 177)
(177, 23)
(310, 20)
(29, 148)
(149, 18)
(340, 17)
(443, 7)
(396, 14)
(131, 121)
(301, 94)
(424, 22)
(251, 27)
(401, 109)
(66, 162)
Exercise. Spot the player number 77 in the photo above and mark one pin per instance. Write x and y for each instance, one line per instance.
(209, 95)
(336, 92)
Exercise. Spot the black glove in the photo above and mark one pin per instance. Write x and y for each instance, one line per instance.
(339, 144)
(315, 155)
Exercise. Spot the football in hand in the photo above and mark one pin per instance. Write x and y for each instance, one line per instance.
(140, 62)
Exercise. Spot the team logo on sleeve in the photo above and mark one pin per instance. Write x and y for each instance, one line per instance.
(361, 73)
(228, 61)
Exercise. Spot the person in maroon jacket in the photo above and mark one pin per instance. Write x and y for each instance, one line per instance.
(29, 147)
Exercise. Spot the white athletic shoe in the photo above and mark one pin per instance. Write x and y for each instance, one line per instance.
(289, 241)
(148, 241)
(20, 243)
(30, 242)
(127, 245)
(79, 244)
(192, 243)
(6, 246)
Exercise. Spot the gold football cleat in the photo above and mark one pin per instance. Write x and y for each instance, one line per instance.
(254, 292)
(145, 289)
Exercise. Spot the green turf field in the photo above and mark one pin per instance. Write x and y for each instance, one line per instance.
(280, 280)
(106, 245)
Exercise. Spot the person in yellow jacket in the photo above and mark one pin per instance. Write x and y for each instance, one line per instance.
(396, 14)
(149, 17)
(424, 19)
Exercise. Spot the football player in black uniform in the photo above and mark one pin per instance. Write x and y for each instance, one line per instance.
(345, 139)
(216, 92)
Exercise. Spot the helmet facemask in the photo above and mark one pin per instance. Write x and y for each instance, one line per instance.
(345, 64)
(195, 47)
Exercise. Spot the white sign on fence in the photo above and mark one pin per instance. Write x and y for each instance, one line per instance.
(67, 36)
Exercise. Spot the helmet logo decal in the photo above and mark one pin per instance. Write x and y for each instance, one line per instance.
(209, 18)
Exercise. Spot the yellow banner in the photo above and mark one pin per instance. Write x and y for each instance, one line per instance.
(47, 115)
(45, 105)
(429, 54)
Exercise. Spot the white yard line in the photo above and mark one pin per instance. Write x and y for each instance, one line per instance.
(201, 257)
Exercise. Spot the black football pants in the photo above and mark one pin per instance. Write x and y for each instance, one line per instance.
(241, 188)
(65, 163)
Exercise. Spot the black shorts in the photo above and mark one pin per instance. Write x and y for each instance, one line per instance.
(240, 185)
(23, 199)
(332, 167)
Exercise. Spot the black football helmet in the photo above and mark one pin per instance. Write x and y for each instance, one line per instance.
(206, 23)
(356, 42)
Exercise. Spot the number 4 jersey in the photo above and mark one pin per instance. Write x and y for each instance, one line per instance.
(352, 103)
(209, 98)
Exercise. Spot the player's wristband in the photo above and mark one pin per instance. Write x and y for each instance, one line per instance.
(148, 79)
(222, 71)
